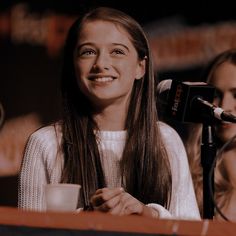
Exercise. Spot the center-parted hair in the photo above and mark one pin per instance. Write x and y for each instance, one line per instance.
(145, 168)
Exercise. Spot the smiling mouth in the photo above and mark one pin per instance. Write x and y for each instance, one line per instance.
(225, 125)
(103, 79)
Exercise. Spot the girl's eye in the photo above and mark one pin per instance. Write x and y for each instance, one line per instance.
(218, 94)
(118, 52)
(87, 52)
(217, 97)
(234, 95)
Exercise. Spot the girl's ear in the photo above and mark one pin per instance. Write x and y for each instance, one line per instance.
(141, 68)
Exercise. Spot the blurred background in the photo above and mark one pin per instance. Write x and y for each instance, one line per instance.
(183, 38)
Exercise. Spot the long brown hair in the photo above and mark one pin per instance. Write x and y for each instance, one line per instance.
(223, 185)
(145, 167)
(226, 56)
(193, 139)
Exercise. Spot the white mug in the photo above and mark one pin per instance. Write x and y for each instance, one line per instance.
(61, 196)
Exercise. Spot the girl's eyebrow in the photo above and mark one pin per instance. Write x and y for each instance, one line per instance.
(85, 44)
(122, 45)
(92, 44)
(77, 51)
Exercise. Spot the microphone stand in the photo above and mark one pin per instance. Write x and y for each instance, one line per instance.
(208, 154)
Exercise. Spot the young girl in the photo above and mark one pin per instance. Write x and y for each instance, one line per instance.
(109, 140)
(222, 74)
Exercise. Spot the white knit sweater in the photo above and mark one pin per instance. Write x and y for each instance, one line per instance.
(43, 162)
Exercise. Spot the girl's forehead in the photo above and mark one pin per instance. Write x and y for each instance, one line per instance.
(100, 26)
(104, 32)
(224, 75)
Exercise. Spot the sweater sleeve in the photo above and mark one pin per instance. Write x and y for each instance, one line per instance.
(183, 203)
(37, 169)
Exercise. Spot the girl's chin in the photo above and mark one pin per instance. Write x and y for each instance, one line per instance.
(226, 131)
(226, 136)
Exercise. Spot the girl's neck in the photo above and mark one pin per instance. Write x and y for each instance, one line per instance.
(111, 118)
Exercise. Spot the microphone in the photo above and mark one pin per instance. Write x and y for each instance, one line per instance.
(187, 101)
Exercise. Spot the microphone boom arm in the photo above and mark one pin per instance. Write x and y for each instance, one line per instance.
(218, 112)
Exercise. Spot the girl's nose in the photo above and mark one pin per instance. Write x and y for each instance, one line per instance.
(227, 103)
(102, 62)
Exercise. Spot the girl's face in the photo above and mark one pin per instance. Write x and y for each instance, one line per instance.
(106, 63)
(224, 79)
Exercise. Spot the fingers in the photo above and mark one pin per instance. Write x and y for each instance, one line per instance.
(106, 198)
(127, 205)
(116, 202)
(131, 205)
(119, 208)
(109, 204)
(134, 208)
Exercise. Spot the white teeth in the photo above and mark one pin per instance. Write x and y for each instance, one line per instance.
(104, 79)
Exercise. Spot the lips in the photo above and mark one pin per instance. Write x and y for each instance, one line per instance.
(101, 78)
(225, 124)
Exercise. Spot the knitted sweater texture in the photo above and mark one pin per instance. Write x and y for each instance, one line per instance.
(43, 163)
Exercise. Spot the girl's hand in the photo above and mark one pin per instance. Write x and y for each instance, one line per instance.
(118, 202)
